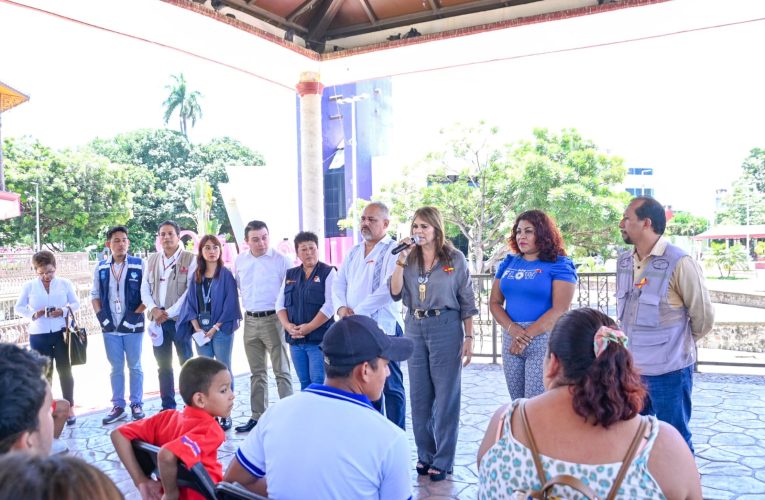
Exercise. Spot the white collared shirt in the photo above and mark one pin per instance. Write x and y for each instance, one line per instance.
(353, 286)
(260, 278)
(35, 298)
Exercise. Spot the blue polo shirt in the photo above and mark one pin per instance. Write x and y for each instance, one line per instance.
(527, 285)
(326, 443)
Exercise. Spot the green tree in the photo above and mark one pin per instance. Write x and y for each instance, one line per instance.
(81, 195)
(686, 224)
(754, 167)
(728, 258)
(185, 101)
(165, 168)
(481, 185)
(745, 204)
(569, 178)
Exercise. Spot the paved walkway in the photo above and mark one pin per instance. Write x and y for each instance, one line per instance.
(728, 431)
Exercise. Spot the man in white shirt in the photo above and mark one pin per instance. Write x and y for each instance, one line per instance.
(163, 292)
(328, 441)
(260, 273)
(361, 287)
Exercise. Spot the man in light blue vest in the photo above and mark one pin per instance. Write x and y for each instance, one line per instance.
(663, 306)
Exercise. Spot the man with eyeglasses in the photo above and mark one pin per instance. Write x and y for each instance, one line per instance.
(361, 287)
(260, 273)
(116, 299)
(163, 292)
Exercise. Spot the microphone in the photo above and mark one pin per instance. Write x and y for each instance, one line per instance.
(414, 240)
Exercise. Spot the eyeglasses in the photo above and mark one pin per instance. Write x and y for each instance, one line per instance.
(46, 273)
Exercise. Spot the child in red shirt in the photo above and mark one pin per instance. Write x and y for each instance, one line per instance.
(190, 436)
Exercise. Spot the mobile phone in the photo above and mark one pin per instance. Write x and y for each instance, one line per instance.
(49, 311)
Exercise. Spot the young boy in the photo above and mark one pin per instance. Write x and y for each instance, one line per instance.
(191, 436)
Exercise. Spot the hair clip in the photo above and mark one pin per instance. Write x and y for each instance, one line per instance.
(604, 335)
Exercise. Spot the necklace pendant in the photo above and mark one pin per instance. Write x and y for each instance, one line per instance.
(422, 279)
(423, 288)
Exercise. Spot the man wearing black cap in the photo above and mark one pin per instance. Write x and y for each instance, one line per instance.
(328, 441)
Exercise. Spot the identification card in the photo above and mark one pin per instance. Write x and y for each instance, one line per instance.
(118, 307)
(204, 320)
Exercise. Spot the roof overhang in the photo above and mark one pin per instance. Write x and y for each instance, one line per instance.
(732, 232)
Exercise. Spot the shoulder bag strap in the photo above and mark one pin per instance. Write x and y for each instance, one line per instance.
(532, 444)
(628, 457)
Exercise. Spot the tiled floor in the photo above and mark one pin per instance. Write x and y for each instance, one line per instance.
(728, 426)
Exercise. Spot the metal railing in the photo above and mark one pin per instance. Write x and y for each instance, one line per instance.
(16, 269)
(595, 290)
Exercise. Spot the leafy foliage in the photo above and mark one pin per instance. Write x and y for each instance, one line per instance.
(686, 224)
(744, 204)
(164, 173)
(754, 168)
(728, 258)
(185, 101)
(481, 185)
(81, 195)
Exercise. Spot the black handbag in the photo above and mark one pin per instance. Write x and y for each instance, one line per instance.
(76, 339)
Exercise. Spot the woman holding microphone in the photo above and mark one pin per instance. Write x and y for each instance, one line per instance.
(45, 301)
(433, 281)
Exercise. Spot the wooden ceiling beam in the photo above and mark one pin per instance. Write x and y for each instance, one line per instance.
(321, 21)
(308, 4)
(420, 17)
(369, 11)
(266, 16)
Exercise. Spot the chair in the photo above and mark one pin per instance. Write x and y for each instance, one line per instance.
(195, 478)
(235, 491)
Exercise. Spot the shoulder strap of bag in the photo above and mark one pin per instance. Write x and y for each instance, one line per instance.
(561, 479)
(70, 318)
(532, 444)
(628, 457)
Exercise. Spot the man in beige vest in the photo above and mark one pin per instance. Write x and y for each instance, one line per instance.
(163, 291)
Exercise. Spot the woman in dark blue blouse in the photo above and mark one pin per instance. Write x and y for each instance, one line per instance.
(211, 310)
(533, 287)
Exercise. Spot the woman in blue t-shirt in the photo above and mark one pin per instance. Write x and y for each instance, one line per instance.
(533, 287)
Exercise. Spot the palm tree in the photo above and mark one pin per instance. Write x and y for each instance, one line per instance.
(185, 101)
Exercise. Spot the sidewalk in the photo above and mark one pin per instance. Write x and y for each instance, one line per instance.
(728, 426)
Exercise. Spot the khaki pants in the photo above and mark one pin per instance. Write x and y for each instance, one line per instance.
(265, 336)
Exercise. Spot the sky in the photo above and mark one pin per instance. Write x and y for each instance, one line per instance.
(689, 105)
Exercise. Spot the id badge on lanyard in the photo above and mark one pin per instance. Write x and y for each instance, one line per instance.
(117, 303)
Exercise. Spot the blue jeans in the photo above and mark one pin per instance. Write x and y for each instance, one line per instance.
(118, 349)
(394, 397)
(164, 357)
(220, 348)
(669, 398)
(309, 363)
(53, 346)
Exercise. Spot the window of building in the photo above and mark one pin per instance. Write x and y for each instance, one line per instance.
(640, 171)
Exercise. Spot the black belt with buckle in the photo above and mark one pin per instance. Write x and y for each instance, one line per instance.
(426, 313)
(260, 314)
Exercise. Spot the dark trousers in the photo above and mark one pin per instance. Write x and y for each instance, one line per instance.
(164, 357)
(394, 397)
(53, 346)
(669, 398)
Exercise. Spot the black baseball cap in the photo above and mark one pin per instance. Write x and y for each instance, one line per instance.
(356, 339)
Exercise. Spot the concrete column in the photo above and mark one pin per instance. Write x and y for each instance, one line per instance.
(312, 174)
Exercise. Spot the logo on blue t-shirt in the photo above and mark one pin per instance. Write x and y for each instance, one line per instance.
(521, 274)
